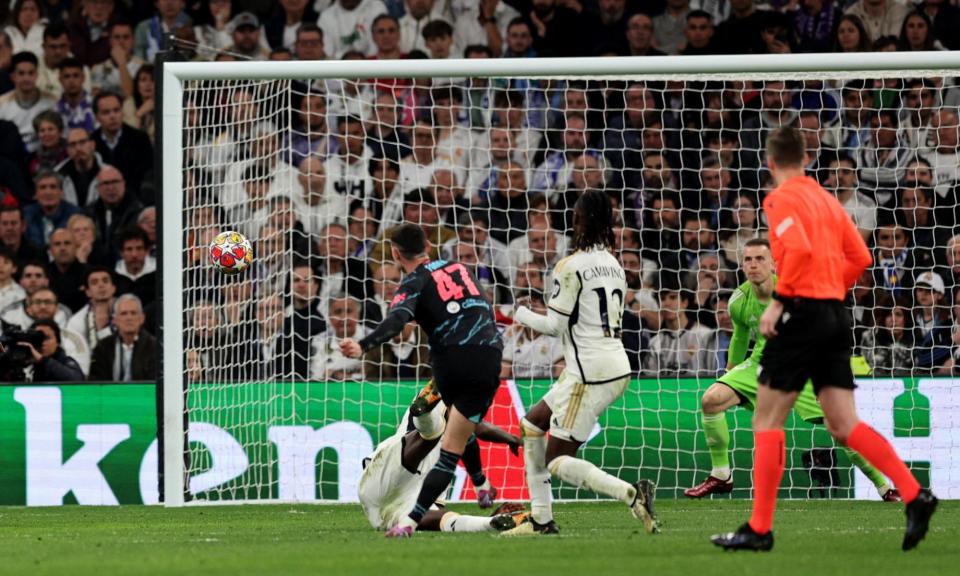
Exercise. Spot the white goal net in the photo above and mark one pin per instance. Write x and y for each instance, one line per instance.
(316, 166)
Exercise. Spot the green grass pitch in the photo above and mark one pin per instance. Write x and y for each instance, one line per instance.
(814, 538)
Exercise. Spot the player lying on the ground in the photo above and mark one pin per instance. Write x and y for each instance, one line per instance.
(819, 254)
(465, 351)
(586, 308)
(394, 473)
(739, 385)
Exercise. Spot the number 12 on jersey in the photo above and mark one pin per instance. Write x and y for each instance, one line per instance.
(605, 312)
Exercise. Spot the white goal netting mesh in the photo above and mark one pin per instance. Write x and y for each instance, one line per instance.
(316, 173)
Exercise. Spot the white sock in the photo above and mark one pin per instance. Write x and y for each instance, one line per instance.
(721, 473)
(585, 475)
(453, 522)
(485, 486)
(430, 425)
(538, 477)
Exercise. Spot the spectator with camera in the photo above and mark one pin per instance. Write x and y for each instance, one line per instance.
(43, 304)
(50, 362)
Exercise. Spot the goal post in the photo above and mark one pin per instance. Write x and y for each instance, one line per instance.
(217, 119)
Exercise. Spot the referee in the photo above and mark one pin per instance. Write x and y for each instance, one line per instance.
(819, 256)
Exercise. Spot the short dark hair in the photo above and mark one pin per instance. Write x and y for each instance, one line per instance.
(71, 62)
(786, 147)
(437, 29)
(21, 57)
(519, 20)
(855, 85)
(342, 121)
(385, 16)
(757, 242)
(890, 117)
(307, 27)
(7, 253)
(35, 264)
(7, 208)
(477, 49)
(446, 92)
(418, 196)
(132, 232)
(409, 239)
(120, 22)
(96, 269)
(49, 323)
(55, 30)
(699, 14)
(389, 163)
(839, 156)
(102, 95)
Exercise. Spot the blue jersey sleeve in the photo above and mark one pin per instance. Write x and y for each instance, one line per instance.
(402, 310)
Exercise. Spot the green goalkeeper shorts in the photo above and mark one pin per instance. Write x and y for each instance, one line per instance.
(743, 380)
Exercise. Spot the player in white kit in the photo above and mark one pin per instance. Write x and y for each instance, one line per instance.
(586, 309)
(393, 474)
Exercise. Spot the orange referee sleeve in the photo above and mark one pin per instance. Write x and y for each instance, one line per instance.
(789, 242)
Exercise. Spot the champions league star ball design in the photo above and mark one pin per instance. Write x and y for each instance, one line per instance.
(231, 252)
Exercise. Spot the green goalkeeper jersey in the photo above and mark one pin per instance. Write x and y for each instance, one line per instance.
(745, 312)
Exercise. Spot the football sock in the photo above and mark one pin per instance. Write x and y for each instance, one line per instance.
(585, 475)
(453, 522)
(718, 440)
(881, 454)
(437, 480)
(472, 463)
(878, 479)
(430, 425)
(768, 462)
(538, 477)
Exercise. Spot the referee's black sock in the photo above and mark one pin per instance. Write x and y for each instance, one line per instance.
(471, 461)
(436, 482)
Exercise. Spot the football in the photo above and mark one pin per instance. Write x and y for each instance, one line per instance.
(231, 252)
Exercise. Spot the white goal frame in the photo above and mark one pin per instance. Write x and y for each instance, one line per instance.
(173, 74)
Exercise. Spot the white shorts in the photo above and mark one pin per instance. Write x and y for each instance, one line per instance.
(577, 406)
(387, 490)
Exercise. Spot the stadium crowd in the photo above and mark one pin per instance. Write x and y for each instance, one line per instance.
(490, 168)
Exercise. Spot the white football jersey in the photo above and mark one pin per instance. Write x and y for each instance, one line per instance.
(589, 288)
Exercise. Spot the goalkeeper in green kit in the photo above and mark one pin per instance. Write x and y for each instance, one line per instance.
(738, 387)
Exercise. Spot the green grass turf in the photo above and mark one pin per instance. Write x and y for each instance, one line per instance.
(814, 538)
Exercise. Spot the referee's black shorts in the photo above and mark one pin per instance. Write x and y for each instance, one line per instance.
(813, 342)
(467, 377)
